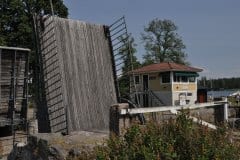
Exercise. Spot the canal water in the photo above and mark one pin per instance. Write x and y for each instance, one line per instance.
(221, 93)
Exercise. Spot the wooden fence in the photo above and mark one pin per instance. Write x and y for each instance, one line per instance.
(13, 84)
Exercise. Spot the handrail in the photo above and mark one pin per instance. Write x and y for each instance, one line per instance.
(154, 95)
(140, 115)
(169, 108)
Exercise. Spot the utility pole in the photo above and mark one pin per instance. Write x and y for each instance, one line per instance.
(51, 4)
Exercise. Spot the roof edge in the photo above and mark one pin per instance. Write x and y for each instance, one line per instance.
(144, 72)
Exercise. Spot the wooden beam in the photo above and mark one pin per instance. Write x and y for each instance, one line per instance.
(169, 108)
(204, 123)
(15, 48)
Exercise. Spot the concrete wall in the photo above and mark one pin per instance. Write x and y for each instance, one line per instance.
(6, 143)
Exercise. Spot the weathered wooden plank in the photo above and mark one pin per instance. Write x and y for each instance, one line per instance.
(83, 60)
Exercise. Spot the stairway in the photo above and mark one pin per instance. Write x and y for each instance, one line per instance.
(155, 101)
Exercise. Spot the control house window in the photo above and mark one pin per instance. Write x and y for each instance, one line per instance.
(184, 79)
(177, 78)
(137, 79)
(192, 79)
(165, 77)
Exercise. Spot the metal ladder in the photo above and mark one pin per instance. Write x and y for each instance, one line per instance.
(123, 57)
(123, 63)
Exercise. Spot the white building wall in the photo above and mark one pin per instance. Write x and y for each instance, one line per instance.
(191, 98)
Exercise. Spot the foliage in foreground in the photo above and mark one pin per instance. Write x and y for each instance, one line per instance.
(180, 140)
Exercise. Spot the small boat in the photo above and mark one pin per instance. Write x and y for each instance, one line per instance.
(235, 93)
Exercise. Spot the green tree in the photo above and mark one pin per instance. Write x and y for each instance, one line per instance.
(162, 43)
(16, 20)
(130, 62)
(128, 52)
(17, 27)
(226, 83)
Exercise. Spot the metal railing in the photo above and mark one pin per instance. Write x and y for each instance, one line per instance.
(175, 110)
(154, 97)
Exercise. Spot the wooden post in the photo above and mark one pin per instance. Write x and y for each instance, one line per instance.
(225, 109)
(117, 122)
(0, 73)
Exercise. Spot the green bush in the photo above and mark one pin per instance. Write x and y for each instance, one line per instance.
(179, 139)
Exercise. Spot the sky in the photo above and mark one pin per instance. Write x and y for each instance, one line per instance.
(210, 29)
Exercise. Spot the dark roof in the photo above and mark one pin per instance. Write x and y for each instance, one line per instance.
(166, 66)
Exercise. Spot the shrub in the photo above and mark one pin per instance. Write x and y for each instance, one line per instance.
(179, 139)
